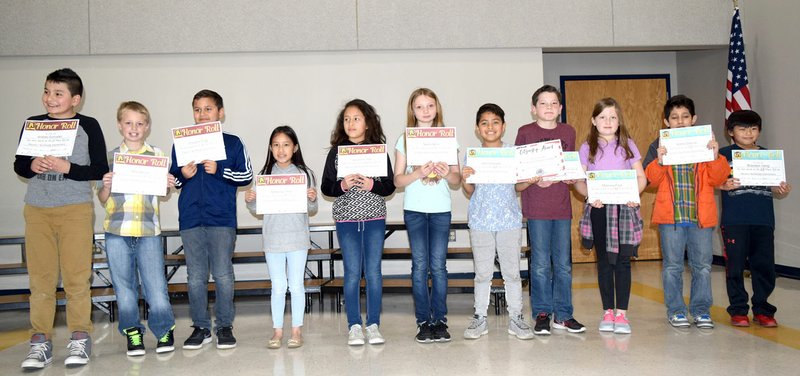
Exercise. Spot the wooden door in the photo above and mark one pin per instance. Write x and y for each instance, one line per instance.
(642, 100)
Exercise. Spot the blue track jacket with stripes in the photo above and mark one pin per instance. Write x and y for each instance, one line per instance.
(210, 200)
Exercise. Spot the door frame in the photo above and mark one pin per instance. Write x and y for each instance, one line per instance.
(563, 79)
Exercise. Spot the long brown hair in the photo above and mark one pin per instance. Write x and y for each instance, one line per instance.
(622, 132)
(374, 132)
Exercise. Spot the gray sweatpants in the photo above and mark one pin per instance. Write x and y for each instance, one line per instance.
(506, 244)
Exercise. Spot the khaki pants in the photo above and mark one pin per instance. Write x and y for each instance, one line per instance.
(57, 240)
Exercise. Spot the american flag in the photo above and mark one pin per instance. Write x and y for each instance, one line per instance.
(737, 95)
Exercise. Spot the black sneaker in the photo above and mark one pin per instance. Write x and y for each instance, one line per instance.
(542, 326)
(571, 325)
(440, 333)
(200, 336)
(167, 342)
(225, 338)
(424, 333)
(135, 343)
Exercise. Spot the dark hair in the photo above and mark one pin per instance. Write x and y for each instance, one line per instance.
(676, 101)
(492, 108)
(68, 77)
(374, 132)
(205, 93)
(297, 157)
(622, 132)
(545, 89)
(411, 120)
(745, 118)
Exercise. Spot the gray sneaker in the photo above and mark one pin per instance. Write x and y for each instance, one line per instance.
(607, 323)
(679, 320)
(518, 327)
(477, 327)
(40, 354)
(621, 324)
(704, 321)
(79, 349)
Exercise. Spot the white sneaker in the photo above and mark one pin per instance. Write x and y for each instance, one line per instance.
(374, 336)
(356, 336)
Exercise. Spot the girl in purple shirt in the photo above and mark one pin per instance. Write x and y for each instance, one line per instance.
(614, 230)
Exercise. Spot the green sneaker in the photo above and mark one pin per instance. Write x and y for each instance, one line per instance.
(167, 342)
(135, 343)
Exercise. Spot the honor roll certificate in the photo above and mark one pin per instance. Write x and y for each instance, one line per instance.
(198, 142)
(572, 168)
(492, 165)
(367, 160)
(140, 174)
(540, 159)
(612, 186)
(425, 145)
(759, 167)
(279, 194)
(48, 137)
(686, 145)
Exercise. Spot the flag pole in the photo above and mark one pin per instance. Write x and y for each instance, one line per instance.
(735, 4)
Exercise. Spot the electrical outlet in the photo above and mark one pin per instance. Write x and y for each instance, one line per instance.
(452, 235)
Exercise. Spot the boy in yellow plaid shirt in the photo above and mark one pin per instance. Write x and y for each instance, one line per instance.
(133, 241)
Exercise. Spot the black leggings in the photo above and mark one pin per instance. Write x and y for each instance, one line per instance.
(611, 278)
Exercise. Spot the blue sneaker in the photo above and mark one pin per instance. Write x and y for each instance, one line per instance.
(704, 321)
(679, 320)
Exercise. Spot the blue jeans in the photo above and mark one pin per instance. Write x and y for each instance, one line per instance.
(139, 258)
(293, 264)
(210, 249)
(551, 267)
(362, 248)
(428, 234)
(697, 243)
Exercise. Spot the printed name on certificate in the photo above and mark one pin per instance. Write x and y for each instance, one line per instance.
(198, 142)
(48, 137)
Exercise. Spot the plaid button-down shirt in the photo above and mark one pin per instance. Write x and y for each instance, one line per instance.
(129, 214)
(685, 199)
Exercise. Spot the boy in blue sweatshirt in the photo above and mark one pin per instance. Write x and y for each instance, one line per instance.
(207, 222)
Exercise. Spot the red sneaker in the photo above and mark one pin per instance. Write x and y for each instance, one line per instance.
(740, 320)
(765, 320)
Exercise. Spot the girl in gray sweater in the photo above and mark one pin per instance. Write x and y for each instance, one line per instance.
(286, 236)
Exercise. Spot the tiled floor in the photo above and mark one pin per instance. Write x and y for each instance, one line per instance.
(654, 348)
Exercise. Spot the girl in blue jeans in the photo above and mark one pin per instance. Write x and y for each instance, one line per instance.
(133, 241)
(286, 236)
(360, 214)
(426, 213)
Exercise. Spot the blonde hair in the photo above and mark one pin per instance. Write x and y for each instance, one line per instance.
(411, 120)
(135, 107)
